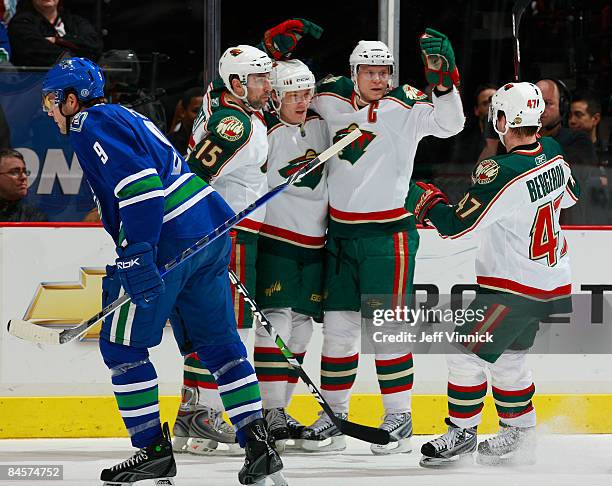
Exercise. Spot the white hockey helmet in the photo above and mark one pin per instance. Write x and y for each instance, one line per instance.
(287, 76)
(243, 60)
(522, 103)
(373, 53)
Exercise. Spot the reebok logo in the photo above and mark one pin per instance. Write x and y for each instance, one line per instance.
(126, 265)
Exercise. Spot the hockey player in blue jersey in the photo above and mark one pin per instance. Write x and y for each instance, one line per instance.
(154, 207)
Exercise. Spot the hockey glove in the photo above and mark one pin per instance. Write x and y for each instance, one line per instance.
(139, 274)
(421, 198)
(439, 59)
(281, 40)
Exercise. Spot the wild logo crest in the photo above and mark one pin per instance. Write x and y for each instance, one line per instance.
(311, 179)
(356, 149)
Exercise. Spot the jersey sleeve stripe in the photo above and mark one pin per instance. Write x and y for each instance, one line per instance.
(134, 177)
(187, 204)
(141, 186)
(140, 198)
(172, 187)
(184, 192)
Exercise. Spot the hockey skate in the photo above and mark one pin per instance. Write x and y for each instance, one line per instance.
(277, 427)
(262, 460)
(208, 430)
(155, 462)
(180, 431)
(295, 428)
(399, 426)
(510, 446)
(323, 435)
(455, 446)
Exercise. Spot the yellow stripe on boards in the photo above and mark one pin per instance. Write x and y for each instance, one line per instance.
(63, 417)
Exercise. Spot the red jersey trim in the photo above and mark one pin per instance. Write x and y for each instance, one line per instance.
(511, 286)
(373, 217)
(292, 237)
(249, 225)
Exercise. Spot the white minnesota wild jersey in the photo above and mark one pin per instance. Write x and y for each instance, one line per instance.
(514, 203)
(228, 148)
(298, 215)
(368, 181)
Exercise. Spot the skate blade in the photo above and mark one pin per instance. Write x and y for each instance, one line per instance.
(179, 444)
(274, 479)
(331, 444)
(163, 482)
(507, 460)
(402, 446)
(441, 462)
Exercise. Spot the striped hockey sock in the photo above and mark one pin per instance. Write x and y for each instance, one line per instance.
(196, 375)
(465, 404)
(272, 372)
(240, 395)
(337, 378)
(135, 388)
(514, 407)
(395, 378)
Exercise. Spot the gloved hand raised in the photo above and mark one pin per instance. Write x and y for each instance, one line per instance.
(139, 274)
(421, 198)
(439, 59)
(280, 40)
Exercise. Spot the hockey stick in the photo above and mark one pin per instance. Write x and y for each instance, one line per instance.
(518, 9)
(33, 332)
(361, 432)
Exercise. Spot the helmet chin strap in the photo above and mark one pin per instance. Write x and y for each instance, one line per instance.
(68, 117)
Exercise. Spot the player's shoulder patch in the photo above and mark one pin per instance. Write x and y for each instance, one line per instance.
(76, 125)
(230, 125)
(407, 94)
(485, 172)
(336, 85)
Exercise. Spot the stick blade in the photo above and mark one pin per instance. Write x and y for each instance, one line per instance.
(365, 433)
(33, 332)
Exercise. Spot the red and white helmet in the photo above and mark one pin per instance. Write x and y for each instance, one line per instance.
(372, 53)
(522, 103)
(287, 76)
(243, 60)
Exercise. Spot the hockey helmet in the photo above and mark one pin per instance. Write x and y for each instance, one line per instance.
(243, 60)
(77, 74)
(292, 75)
(372, 53)
(522, 103)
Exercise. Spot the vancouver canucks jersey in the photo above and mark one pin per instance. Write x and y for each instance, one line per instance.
(514, 203)
(228, 148)
(143, 187)
(298, 215)
(368, 181)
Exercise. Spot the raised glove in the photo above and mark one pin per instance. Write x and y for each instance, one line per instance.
(421, 198)
(439, 59)
(139, 274)
(280, 40)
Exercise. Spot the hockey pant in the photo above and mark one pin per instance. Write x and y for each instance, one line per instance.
(340, 359)
(277, 379)
(512, 385)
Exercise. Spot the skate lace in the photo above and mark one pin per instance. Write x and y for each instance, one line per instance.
(322, 423)
(504, 438)
(137, 458)
(446, 441)
(218, 423)
(392, 421)
(276, 418)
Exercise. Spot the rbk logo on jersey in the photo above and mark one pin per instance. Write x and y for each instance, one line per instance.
(311, 179)
(357, 148)
(128, 264)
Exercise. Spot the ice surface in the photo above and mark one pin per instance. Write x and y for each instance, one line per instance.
(562, 460)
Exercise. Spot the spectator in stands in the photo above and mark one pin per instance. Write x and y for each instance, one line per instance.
(187, 110)
(42, 31)
(14, 188)
(577, 145)
(585, 116)
(471, 140)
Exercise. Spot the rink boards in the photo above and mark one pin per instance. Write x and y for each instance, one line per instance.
(54, 274)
